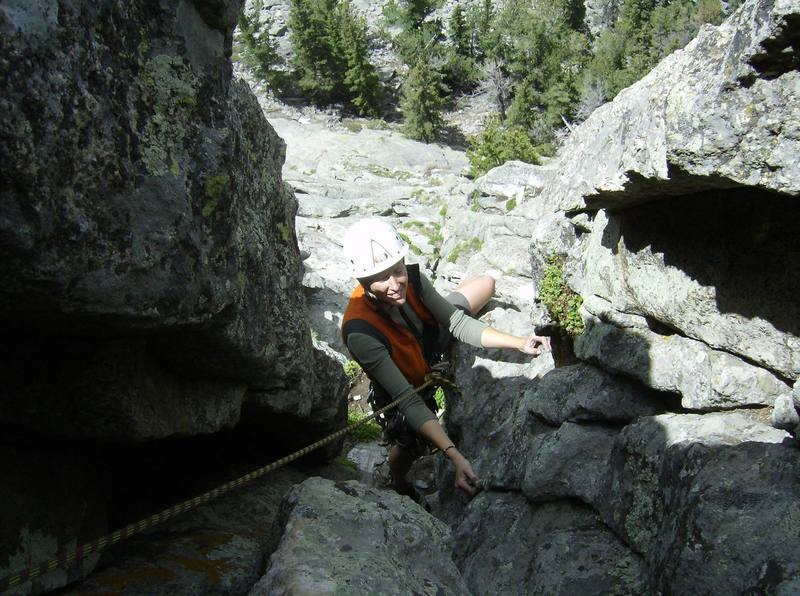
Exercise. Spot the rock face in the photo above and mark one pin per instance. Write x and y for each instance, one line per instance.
(625, 472)
(143, 199)
(646, 466)
(346, 538)
(151, 273)
(672, 211)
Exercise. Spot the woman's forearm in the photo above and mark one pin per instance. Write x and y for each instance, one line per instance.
(492, 338)
(465, 478)
(433, 432)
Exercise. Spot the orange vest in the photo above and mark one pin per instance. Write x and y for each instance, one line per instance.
(404, 348)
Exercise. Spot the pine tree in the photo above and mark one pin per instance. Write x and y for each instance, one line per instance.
(256, 47)
(459, 33)
(361, 78)
(331, 54)
(319, 71)
(422, 103)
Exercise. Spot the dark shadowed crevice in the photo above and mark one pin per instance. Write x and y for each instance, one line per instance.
(743, 243)
(781, 52)
(639, 190)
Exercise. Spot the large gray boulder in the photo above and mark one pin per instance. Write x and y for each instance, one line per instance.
(719, 114)
(716, 266)
(151, 279)
(571, 462)
(704, 378)
(143, 214)
(585, 393)
(345, 538)
(504, 545)
(687, 194)
(708, 500)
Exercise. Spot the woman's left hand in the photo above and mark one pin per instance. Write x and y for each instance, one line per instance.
(535, 345)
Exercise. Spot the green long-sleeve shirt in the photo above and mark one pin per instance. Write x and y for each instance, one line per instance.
(377, 363)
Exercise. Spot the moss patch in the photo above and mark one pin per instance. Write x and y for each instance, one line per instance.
(216, 187)
(471, 246)
(366, 431)
(352, 369)
(170, 88)
(561, 302)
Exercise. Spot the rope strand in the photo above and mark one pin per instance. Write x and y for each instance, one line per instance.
(66, 560)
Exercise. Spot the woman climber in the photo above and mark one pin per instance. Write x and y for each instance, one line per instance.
(396, 326)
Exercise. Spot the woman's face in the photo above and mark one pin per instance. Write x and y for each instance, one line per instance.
(389, 286)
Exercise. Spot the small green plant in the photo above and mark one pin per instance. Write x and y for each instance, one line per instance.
(411, 246)
(472, 245)
(346, 463)
(377, 124)
(353, 126)
(385, 172)
(561, 302)
(352, 369)
(511, 203)
(497, 145)
(438, 396)
(443, 211)
(365, 432)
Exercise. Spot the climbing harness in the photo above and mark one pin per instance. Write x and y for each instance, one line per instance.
(67, 559)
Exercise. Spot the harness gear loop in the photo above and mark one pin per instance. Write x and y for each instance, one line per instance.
(437, 376)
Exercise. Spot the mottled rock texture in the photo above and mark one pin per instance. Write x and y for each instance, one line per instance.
(720, 114)
(673, 212)
(151, 282)
(345, 538)
(709, 500)
(142, 198)
(219, 548)
(552, 548)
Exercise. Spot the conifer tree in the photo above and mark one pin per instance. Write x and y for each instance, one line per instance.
(422, 102)
(459, 33)
(319, 71)
(256, 47)
(361, 78)
(331, 53)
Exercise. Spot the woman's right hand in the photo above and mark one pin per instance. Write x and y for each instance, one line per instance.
(466, 479)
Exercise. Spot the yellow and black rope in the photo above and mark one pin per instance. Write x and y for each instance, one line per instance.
(68, 559)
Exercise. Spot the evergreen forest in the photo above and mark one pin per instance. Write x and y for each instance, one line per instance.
(537, 60)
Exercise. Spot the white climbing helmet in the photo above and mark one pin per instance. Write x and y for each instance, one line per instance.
(372, 246)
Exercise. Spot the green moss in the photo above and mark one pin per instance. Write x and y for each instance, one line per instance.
(561, 302)
(352, 369)
(353, 126)
(170, 89)
(377, 124)
(216, 187)
(286, 233)
(439, 398)
(470, 246)
(411, 246)
(346, 463)
(367, 430)
(384, 172)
